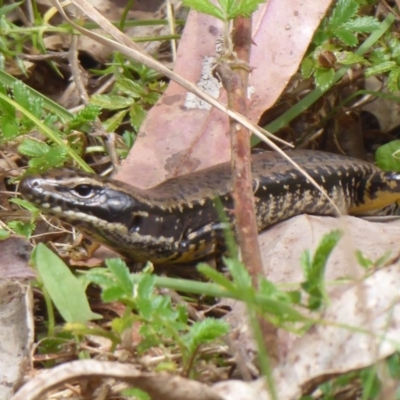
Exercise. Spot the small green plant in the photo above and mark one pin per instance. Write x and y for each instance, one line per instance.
(385, 59)
(21, 109)
(332, 43)
(369, 264)
(314, 269)
(10, 125)
(24, 228)
(388, 156)
(335, 39)
(162, 323)
(226, 9)
(132, 95)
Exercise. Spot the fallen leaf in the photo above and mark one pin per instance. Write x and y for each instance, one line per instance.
(16, 334)
(361, 324)
(181, 135)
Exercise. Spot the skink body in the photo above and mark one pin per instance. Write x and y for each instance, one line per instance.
(177, 221)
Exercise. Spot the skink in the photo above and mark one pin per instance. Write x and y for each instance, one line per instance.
(177, 221)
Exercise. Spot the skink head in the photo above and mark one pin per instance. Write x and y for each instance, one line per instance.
(73, 196)
(108, 211)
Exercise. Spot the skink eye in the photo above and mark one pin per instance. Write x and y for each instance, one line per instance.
(84, 191)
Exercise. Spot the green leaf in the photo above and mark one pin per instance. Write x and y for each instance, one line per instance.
(22, 228)
(379, 55)
(4, 234)
(129, 87)
(205, 7)
(151, 338)
(363, 261)
(83, 117)
(111, 102)
(33, 148)
(137, 115)
(147, 75)
(371, 383)
(54, 158)
(321, 255)
(307, 67)
(362, 24)
(270, 290)
(121, 274)
(25, 204)
(295, 296)
(119, 325)
(386, 66)
(9, 127)
(234, 8)
(9, 7)
(383, 259)
(346, 36)
(145, 308)
(5, 107)
(145, 287)
(314, 271)
(101, 277)
(9, 80)
(394, 46)
(343, 12)
(324, 77)
(393, 81)
(240, 275)
(111, 124)
(24, 97)
(349, 58)
(115, 293)
(321, 36)
(217, 277)
(135, 393)
(205, 331)
(150, 97)
(393, 365)
(388, 156)
(306, 258)
(115, 281)
(129, 138)
(65, 290)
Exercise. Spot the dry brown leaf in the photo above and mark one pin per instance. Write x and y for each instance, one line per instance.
(283, 245)
(369, 308)
(14, 257)
(369, 313)
(16, 334)
(16, 314)
(239, 390)
(180, 135)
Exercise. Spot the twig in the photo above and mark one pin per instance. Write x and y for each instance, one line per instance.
(235, 81)
(247, 230)
(159, 386)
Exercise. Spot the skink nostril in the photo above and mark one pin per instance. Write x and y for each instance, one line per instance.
(28, 184)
